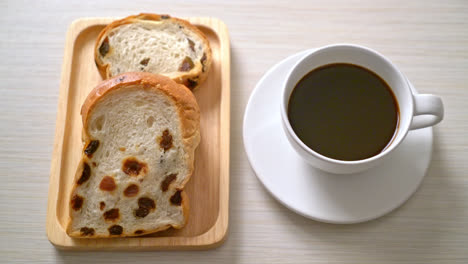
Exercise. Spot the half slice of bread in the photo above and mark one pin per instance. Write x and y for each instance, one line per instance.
(140, 131)
(154, 43)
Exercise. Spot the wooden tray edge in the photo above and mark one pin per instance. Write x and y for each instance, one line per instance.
(217, 233)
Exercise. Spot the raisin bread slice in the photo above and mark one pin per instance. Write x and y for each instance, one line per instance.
(140, 131)
(154, 43)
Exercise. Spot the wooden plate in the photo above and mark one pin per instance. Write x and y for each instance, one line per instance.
(208, 189)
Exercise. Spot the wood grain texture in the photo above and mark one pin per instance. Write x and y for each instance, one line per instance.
(208, 189)
(428, 40)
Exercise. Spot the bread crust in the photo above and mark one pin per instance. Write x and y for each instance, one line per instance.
(188, 111)
(196, 74)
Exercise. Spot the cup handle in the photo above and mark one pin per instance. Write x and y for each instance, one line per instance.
(428, 111)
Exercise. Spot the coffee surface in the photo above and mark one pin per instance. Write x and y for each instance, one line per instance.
(344, 112)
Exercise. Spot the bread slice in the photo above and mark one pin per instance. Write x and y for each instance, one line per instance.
(154, 43)
(140, 131)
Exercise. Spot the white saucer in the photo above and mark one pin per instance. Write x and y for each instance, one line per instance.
(315, 194)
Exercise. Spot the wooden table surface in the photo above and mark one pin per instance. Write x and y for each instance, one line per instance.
(427, 39)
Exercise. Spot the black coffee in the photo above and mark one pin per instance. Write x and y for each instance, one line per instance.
(344, 112)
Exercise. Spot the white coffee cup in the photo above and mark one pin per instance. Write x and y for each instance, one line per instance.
(415, 110)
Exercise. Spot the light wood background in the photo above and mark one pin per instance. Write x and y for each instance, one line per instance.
(427, 39)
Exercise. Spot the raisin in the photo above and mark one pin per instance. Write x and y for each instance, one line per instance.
(176, 198)
(107, 184)
(112, 214)
(187, 64)
(131, 166)
(167, 181)
(131, 190)
(102, 205)
(145, 205)
(191, 84)
(165, 17)
(144, 62)
(139, 232)
(166, 140)
(115, 230)
(141, 212)
(104, 48)
(203, 60)
(85, 231)
(91, 148)
(122, 78)
(145, 202)
(94, 164)
(77, 202)
(85, 174)
(191, 44)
